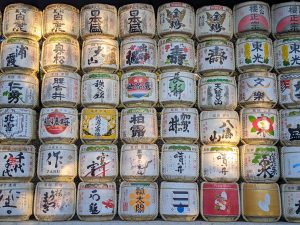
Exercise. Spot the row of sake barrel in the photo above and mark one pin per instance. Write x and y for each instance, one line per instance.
(141, 89)
(139, 19)
(214, 57)
(141, 162)
(56, 201)
(140, 125)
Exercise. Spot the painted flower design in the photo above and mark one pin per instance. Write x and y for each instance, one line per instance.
(262, 125)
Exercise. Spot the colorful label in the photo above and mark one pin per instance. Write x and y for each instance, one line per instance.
(289, 90)
(286, 53)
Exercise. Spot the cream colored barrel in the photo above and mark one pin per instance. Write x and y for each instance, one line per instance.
(290, 162)
(139, 89)
(61, 19)
(17, 125)
(136, 19)
(22, 20)
(100, 90)
(288, 96)
(220, 201)
(139, 162)
(259, 126)
(98, 20)
(138, 201)
(57, 162)
(179, 201)
(214, 21)
(219, 164)
(217, 93)
(17, 163)
(99, 126)
(98, 163)
(259, 163)
(179, 125)
(289, 127)
(100, 55)
(179, 162)
(58, 125)
(219, 128)
(20, 55)
(175, 18)
(96, 201)
(19, 90)
(257, 89)
(290, 194)
(18, 201)
(250, 17)
(260, 202)
(139, 126)
(56, 88)
(54, 201)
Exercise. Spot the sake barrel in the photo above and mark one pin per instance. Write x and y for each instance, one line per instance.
(19, 91)
(177, 89)
(138, 201)
(22, 20)
(98, 20)
(138, 53)
(176, 53)
(16, 202)
(290, 127)
(61, 89)
(20, 55)
(220, 201)
(179, 162)
(175, 18)
(254, 53)
(17, 163)
(58, 125)
(61, 19)
(289, 95)
(217, 93)
(214, 21)
(179, 201)
(252, 16)
(219, 128)
(96, 201)
(136, 19)
(179, 125)
(139, 126)
(54, 201)
(139, 162)
(17, 126)
(290, 162)
(60, 53)
(99, 126)
(139, 89)
(57, 162)
(259, 126)
(259, 163)
(290, 194)
(215, 57)
(260, 202)
(257, 89)
(100, 90)
(286, 55)
(219, 163)
(285, 19)
(98, 163)
(100, 55)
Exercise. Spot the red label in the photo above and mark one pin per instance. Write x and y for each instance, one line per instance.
(56, 122)
(220, 199)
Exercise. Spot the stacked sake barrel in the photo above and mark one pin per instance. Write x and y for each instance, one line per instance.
(219, 123)
(179, 127)
(139, 161)
(257, 95)
(19, 88)
(286, 31)
(55, 195)
(98, 156)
